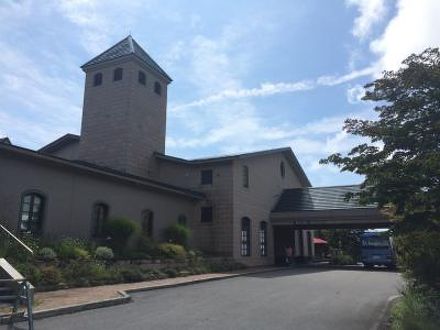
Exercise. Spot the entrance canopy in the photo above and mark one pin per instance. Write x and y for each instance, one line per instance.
(325, 208)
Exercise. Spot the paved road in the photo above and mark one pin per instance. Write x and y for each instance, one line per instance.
(308, 298)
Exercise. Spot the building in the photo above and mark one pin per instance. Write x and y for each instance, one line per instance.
(118, 167)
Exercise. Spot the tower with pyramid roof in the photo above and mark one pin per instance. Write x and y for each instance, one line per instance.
(124, 111)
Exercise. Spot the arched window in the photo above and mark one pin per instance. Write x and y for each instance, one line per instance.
(263, 238)
(245, 237)
(99, 219)
(117, 74)
(142, 78)
(282, 169)
(181, 220)
(157, 88)
(148, 223)
(97, 79)
(245, 176)
(31, 213)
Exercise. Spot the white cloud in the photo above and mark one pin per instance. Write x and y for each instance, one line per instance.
(99, 20)
(273, 88)
(355, 94)
(415, 27)
(370, 13)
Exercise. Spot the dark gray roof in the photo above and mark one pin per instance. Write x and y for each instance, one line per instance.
(127, 46)
(287, 152)
(59, 143)
(319, 198)
(100, 170)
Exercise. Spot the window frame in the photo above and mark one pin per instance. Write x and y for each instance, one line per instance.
(262, 238)
(206, 177)
(41, 212)
(204, 218)
(118, 74)
(97, 79)
(182, 220)
(245, 237)
(245, 176)
(282, 169)
(158, 88)
(147, 223)
(97, 228)
(142, 78)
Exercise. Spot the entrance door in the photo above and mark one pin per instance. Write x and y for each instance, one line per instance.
(283, 236)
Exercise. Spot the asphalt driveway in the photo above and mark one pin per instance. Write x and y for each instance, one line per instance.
(305, 298)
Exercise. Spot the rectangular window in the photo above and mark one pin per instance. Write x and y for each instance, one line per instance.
(263, 239)
(206, 177)
(245, 176)
(206, 214)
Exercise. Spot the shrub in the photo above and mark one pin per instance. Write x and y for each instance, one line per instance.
(104, 253)
(416, 310)
(342, 259)
(123, 233)
(72, 249)
(171, 272)
(50, 275)
(177, 233)
(47, 254)
(145, 245)
(132, 274)
(174, 251)
(30, 272)
(78, 272)
(418, 252)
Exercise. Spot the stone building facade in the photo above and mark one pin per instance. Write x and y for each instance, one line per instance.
(118, 167)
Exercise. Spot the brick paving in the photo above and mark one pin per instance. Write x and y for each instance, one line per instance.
(68, 297)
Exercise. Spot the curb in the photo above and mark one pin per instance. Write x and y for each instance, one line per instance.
(382, 322)
(126, 298)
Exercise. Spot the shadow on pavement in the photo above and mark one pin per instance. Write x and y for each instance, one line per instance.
(316, 268)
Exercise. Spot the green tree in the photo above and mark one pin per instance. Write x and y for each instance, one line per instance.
(401, 164)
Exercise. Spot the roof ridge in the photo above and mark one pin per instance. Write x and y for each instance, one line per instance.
(125, 47)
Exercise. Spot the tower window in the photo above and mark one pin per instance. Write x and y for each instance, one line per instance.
(245, 176)
(97, 79)
(31, 213)
(157, 88)
(282, 170)
(206, 177)
(142, 78)
(117, 74)
(99, 219)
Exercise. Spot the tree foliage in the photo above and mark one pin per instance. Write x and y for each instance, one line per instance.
(401, 164)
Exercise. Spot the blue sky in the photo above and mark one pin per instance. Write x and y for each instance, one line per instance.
(248, 75)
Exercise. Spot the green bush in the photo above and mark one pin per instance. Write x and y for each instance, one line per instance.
(47, 254)
(416, 310)
(173, 251)
(171, 272)
(132, 274)
(342, 259)
(177, 234)
(145, 245)
(30, 272)
(418, 253)
(104, 253)
(123, 234)
(50, 275)
(70, 248)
